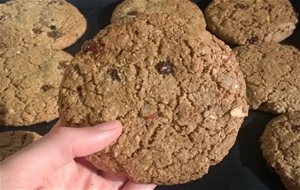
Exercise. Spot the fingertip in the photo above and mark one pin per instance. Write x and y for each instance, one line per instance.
(111, 125)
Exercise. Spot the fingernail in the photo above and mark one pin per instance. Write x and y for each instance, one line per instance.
(109, 125)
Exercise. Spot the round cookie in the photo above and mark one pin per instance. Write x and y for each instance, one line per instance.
(181, 98)
(30, 78)
(272, 76)
(280, 145)
(184, 9)
(54, 23)
(13, 141)
(242, 22)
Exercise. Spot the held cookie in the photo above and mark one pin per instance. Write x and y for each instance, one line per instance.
(251, 21)
(184, 9)
(280, 145)
(180, 98)
(13, 141)
(30, 78)
(272, 76)
(53, 23)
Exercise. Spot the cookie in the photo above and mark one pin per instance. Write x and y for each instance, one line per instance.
(53, 23)
(30, 78)
(181, 98)
(8, 38)
(184, 9)
(272, 76)
(13, 141)
(251, 21)
(280, 145)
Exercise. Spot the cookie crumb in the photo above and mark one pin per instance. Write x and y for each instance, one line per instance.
(114, 74)
(238, 112)
(52, 27)
(91, 46)
(253, 40)
(54, 34)
(241, 6)
(164, 68)
(133, 13)
(47, 87)
(37, 30)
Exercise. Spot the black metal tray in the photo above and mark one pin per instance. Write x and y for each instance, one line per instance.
(244, 168)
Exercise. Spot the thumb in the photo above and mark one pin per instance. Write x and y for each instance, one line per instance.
(57, 149)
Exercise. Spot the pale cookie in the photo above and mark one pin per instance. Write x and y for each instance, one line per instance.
(272, 76)
(53, 23)
(184, 9)
(181, 98)
(280, 145)
(30, 78)
(13, 141)
(251, 21)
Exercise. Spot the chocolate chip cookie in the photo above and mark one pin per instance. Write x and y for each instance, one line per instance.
(30, 78)
(272, 76)
(13, 141)
(180, 97)
(251, 21)
(280, 144)
(54, 23)
(184, 9)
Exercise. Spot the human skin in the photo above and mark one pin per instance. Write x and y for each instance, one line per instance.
(56, 161)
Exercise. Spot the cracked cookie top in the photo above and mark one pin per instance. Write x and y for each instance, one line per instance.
(13, 141)
(53, 23)
(180, 97)
(272, 76)
(251, 21)
(184, 9)
(280, 145)
(30, 78)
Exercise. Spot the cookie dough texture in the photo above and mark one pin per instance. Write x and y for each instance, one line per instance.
(280, 144)
(30, 78)
(272, 76)
(181, 98)
(184, 9)
(13, 141)
(53, 23)
(242, 22)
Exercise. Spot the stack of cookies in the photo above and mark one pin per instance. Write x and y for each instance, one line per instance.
(180, 92)
(271, 72)
(177, 89)
(32, 34)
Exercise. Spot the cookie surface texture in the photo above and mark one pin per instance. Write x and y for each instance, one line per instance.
(242, 22)
(13, 141)
(280, 144)
(272, 76)
(53, 23)
(181, 98)
(30, 78)
(184, 9)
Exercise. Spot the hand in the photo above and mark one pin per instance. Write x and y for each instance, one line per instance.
(56, 161)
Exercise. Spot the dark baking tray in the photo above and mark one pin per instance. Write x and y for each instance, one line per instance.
(243, 168)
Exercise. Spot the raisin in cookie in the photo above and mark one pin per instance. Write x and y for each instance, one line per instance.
(184, 9)
(250, 21)
(180, 97)
(54, 23)
(280, 145)
(30, 78)
(272, 76)
(13, 141)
